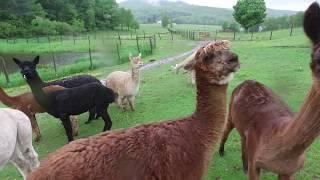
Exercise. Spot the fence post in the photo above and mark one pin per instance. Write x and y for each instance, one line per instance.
(54, 63)
(234, 35)
(119, 37)
(49, 39)
(74, 40)
(251, 35)
(171, 35)
(118, 51)
(215, 38)
(131, 34)
(271, 35)
(5, 71)
(27, 40)
(291, 31)
(137, 38)
(91, 65)
(154, 41)
(159, 36)
(144, 35)
(151, 45)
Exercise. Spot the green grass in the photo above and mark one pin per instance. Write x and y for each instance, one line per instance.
(282, 64)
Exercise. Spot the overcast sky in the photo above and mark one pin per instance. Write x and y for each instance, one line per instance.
(298, 5)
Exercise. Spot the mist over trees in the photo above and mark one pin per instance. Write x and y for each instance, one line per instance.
(43, 17)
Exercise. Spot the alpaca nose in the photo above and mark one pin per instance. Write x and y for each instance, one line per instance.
(233, 60)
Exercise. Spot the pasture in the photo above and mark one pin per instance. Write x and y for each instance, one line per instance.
(281, 63)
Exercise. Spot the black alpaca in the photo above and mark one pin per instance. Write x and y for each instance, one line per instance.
(73, 101)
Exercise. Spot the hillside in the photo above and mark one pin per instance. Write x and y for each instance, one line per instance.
(148, 11)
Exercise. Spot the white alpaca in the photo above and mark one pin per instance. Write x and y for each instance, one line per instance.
(126, 84)
(16, 141)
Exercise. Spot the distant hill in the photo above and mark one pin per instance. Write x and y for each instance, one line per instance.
(149, 11)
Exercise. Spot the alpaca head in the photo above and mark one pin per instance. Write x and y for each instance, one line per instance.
(215, 62)
(28, 68)
(136, 62)
(312, 29)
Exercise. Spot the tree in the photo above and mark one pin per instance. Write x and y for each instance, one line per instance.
(249, 13)
(165, 21)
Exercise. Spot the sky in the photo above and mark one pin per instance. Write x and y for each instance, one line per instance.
(297, 5)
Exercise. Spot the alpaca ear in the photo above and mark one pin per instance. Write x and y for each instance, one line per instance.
(36, 60)
(17, 61)
(311, 22)
(190, 65)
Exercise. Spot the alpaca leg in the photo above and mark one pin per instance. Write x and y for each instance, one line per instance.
(285, 177)
(244, 154)
(227, 130)
(106, 118)
(75, 125)
(92, 114)
(253, 172)
(18, 160)
(67, 126)
(131, 102)
(35, 127)
(120, 102)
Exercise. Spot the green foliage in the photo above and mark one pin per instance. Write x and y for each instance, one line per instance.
(165, 21)
(233, 26)
(249, 13)
(283, 22)
(23, 17)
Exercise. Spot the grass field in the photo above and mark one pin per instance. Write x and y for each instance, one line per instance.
(282, 64)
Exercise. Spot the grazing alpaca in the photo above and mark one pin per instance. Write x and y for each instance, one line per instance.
(125, 84)
(176, 149)
(26, 103)
(72, 101)
(272, 137)
(16, 141)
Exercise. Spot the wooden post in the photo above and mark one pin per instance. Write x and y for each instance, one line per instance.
(131, 34)
(291, 31)
(251, 35)
(171, 35)
(151, 48)
(74, 40)
(215, 38)
(5, 71)
(159, 36)
(271, 35)
(234, 35)
(91, 65)
(27, 40)
(54, 63)
(119, 37)
(137, 39)
(144, 35)
(118, 52)
(154, 41)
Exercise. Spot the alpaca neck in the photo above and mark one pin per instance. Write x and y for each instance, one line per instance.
(135, 75)
(210, 112)
(5, 99)
(303, 130)
(36, 84)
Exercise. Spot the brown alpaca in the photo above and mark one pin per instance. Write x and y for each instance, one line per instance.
(26, 103)
(272, 137)
(176, 149)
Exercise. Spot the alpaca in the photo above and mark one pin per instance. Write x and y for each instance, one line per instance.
(125, 84)
(176, 149)
(71, 101)
(272, 137)
(16, 141)
(26, 103)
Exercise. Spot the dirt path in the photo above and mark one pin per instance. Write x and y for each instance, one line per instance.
(172, 58)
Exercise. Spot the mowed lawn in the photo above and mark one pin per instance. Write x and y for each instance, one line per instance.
(282, 64)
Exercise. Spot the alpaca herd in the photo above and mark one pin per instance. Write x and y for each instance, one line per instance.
(272, 137)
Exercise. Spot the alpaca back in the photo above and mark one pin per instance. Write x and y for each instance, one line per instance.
(122, 83)
(74, 81)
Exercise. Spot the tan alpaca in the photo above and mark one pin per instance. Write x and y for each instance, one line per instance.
(171, 150)
(126, 84)
(26, 103)
(272, 137)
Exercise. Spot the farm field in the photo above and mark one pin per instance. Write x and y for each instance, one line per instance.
(281, 63)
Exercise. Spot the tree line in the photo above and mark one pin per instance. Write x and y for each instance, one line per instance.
(19, 18)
